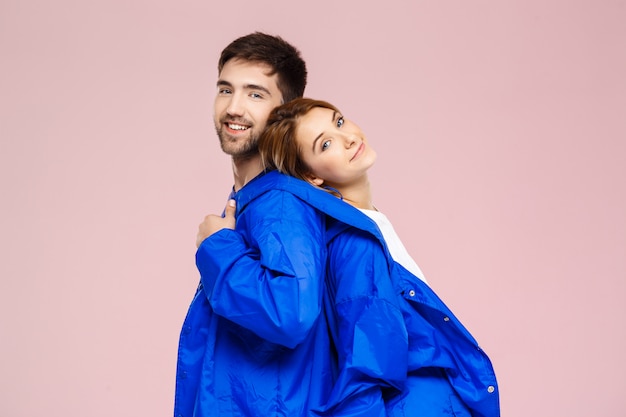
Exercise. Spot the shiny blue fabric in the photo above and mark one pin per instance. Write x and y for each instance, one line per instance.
(255, 340)
(383, 344)
(447, 373)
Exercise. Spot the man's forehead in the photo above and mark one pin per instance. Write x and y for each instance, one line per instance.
(242, 68)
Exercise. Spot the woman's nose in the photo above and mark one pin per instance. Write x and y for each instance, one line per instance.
(350, 140)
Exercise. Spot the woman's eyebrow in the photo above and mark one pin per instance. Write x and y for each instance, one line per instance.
(321, 134)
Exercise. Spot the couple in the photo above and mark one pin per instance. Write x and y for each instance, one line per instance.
(307, 304)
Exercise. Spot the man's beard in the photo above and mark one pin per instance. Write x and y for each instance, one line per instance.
(237, 149)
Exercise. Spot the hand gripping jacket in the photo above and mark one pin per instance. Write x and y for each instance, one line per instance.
(255, 341)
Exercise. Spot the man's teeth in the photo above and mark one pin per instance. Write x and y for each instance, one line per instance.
(237, 127)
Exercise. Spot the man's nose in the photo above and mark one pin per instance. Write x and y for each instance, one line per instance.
(235, 106)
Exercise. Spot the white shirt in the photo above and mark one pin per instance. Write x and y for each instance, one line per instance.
(396, 248)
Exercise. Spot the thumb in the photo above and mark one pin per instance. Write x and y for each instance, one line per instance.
(229, 211)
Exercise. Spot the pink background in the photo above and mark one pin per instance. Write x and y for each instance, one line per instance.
(501, 133)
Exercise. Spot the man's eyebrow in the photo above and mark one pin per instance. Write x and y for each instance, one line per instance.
(257, 87)
(322, 134)
(223, 83)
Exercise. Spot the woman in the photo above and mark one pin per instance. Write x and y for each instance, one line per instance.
(446, 372)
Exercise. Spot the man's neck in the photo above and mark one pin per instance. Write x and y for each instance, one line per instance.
(246, 169)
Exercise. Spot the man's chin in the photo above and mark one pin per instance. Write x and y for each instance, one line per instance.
(240, 153)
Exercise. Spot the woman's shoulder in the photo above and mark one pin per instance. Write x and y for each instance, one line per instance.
(355, 244)
(356, 228)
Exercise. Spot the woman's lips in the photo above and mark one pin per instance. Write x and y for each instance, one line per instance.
(358, 152)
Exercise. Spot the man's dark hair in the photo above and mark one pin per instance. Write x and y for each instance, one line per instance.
(281, 56)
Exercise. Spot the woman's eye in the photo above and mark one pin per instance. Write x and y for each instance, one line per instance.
(340, 121)
(325, 145)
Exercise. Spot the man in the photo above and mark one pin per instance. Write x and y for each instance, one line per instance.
(254, 342)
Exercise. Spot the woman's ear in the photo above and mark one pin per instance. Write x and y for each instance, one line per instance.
(312, 179)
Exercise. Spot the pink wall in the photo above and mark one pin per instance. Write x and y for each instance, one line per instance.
(501, 133)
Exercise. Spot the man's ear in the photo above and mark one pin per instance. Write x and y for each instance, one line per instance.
(312, 179)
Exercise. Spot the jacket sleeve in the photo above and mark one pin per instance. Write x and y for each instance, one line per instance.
(271, 282)
(367, 327)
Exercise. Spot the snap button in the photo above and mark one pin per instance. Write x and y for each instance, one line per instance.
(491, 389)
(446, 318)
(412, 293)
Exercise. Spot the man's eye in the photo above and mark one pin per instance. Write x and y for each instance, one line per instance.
(256, 95)
(340, 121)
(224, 91)
(325, 145)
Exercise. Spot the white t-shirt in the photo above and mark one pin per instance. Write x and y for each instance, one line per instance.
(396, 248)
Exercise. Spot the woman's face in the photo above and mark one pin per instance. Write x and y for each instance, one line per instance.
(334, 148)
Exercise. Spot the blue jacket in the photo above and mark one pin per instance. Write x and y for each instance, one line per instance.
(445, 366)
(447, 372)
(255, 341)
(384, 343)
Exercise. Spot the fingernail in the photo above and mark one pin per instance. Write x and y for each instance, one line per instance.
(231, 203)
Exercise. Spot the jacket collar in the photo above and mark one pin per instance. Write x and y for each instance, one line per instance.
(319, 199)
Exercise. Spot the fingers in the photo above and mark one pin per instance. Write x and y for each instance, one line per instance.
(229, 215)
(213, 223)
(229, 211)
(199, 239)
